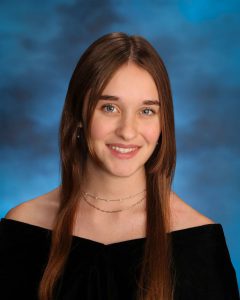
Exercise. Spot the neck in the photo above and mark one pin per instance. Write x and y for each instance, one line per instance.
(103, 184)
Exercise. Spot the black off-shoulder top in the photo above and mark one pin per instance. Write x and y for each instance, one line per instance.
(95, 271)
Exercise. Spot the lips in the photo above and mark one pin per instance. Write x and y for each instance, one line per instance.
(124, 146)
(123, 151)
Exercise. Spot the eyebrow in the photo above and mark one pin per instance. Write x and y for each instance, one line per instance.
(115, 98)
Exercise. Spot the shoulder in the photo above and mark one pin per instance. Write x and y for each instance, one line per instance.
(184, 216)
(40, 211)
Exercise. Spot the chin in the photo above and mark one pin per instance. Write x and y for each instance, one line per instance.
(124, 172)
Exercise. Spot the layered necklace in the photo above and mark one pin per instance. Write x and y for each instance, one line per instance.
(85, 195)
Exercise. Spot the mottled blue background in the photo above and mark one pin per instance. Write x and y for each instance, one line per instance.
(199, 42)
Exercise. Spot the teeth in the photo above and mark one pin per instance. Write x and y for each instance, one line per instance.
(123, 150)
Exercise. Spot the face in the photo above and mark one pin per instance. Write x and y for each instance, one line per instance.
(126, 122)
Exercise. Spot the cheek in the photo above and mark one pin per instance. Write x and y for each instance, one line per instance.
(151, 133)
(99, 129)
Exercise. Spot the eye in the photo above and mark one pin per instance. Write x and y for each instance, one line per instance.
(108, 108)
(152, 112)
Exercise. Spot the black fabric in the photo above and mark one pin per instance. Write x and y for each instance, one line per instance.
(95, 271)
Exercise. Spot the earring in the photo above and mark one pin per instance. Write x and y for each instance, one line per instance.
(80, 126)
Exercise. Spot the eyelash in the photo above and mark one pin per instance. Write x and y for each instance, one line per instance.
(146, 108)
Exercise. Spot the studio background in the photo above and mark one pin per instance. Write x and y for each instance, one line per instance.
(199, 41)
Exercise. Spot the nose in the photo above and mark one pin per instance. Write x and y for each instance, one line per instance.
(127, 128)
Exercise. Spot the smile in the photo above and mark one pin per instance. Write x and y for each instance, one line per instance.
(123, 153)
(122, 150)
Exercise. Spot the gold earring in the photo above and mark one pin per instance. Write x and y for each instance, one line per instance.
(80, 126)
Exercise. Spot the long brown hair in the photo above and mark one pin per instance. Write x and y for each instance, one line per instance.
(92, 73)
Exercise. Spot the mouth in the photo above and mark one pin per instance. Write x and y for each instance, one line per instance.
(126, 151)
(123, 148)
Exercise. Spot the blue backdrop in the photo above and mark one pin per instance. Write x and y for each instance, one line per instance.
(199, 42)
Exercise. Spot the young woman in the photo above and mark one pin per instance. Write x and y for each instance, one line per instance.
(114, 229)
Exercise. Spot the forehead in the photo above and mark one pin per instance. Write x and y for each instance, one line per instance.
(133, 81)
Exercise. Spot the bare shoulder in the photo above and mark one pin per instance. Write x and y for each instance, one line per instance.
(184, 216)
(40, 211)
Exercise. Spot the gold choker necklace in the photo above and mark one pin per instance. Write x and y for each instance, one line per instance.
(108, 200)
(112, 211)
